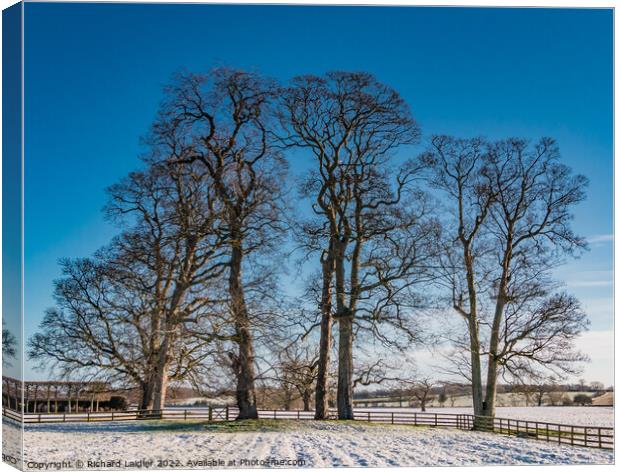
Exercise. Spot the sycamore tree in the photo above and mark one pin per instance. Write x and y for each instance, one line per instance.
(222, 124)
(370, 225)
(506, 226)
(140, 310)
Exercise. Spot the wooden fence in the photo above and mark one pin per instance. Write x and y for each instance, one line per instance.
(589, 436)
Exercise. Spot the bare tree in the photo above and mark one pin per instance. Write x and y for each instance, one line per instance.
(421, 391)
(508, 225)
(98, 329)
(221, 121)
(455, 168)
(414, 387)
(176, 250)
(371, 242)
(298, 370)
(532, 327)
(9, 345)
(140, 310)
(320, 294)
(542, 390)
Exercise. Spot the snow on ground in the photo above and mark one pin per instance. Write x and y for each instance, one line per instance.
(310, 443)
(571, 415)
(11, 441)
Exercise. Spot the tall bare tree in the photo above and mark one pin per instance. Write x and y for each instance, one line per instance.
(532, 327)
(371, 243)
(455, 168)
(222, 121)
(177, 251)
(140, 310)
(507, 225)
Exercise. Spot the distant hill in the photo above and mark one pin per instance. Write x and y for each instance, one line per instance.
(606, 399)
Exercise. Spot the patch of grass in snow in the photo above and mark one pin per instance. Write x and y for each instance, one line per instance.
(167, 425)
(262, 425)
(270, 425)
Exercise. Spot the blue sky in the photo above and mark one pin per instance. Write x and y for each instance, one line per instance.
(95, 72)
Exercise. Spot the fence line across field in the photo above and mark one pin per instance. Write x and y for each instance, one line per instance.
(589, 436)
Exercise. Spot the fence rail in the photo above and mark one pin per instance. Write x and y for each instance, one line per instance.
(589, 436)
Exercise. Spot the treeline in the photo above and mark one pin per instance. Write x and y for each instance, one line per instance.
(460, 389)
(190, 290)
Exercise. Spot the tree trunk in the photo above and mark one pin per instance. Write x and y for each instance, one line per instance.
(146, 399)
(161, 375)
(474, 342)
(321, 411)
(491, 394)
(492, 370)
(246, 395)
(345, 367)
(306, 398)
(344, 315)
(325, 343)
(244, 362)
(476, 369)
(288, 400)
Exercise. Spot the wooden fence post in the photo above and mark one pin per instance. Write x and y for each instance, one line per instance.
(226, 412)
(210, 413)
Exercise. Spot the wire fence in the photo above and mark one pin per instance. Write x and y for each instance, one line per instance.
(589, 436)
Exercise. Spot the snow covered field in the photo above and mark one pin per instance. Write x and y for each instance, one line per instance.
(571, 415)
(308, 444)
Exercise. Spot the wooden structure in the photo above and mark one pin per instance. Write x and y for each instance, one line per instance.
(54, 396)
(601, 437)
